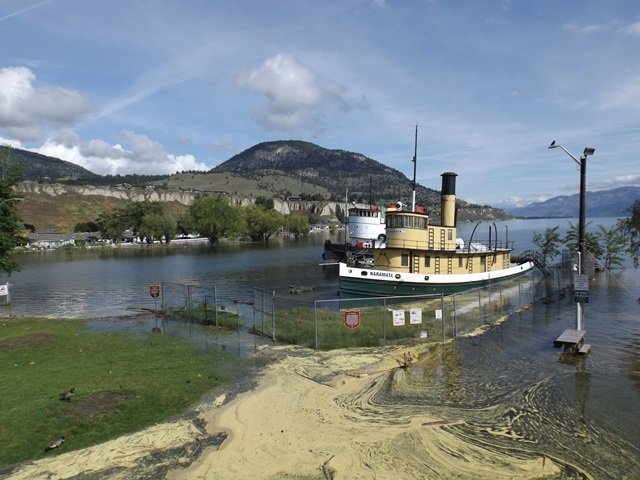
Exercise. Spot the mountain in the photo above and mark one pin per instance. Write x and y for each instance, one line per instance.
(298, 175)
(604, 203)
(335, 171)
(41, 167)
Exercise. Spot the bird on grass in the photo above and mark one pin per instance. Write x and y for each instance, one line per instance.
(54, 444)
(66, 395)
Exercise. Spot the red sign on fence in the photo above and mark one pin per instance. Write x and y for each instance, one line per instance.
(352, 318)
(154, 291)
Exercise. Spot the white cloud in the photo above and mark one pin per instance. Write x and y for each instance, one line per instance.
(625, 95)
(617, 181)
(27, 112)
(294, 98)
(137, 154)
(633, 29)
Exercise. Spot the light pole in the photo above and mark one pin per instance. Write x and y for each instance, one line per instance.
(582, 163)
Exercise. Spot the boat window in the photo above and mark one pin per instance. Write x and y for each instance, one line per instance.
(460, 262)
(427, 261)
(483, 260)
(405, 260)
(450, 235)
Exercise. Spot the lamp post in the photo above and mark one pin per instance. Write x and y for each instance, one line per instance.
(582, 163)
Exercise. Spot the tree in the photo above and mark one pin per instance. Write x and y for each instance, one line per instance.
(591, 241)
(86, 227)
(547, 242)
(10, 174)
(152, 227)
(214, 217)
(129, 215)
(262, 223)
(298, 225)
(630, 228)
(264, 202)
(613, 245)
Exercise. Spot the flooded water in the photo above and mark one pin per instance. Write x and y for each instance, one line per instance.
(519, 394)
(514, 391)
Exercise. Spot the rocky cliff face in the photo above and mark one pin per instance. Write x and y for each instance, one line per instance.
(121, 193)
(60, 207)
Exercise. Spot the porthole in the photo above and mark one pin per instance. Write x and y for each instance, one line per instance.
(426, 277)
(364, 273)
(397, 276)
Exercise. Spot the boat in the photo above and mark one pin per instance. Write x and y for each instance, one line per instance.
(366, 230)
(423, 258)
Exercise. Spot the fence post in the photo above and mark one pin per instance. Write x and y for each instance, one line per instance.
(384, 322)
(162, 296)
(315, 321)
(480, 305)
(238, 317)
(262, 311)
(455, 317)
(254, 309)
(273, 314)
(215, 304)
(206, 318)
(442, 316)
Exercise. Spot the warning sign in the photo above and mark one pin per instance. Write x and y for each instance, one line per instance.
(154, 291)
(352, 318)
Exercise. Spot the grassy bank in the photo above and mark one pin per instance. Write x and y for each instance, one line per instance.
(122, 383)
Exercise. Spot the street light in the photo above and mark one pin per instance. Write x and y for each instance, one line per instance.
(582, 163)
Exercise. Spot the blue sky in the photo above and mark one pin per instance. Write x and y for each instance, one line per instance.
(158, 86)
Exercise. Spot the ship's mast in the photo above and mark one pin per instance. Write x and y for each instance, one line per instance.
(415, 155)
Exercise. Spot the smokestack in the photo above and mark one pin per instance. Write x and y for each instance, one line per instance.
(448, 199)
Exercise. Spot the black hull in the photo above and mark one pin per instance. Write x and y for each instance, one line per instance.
(345, 253)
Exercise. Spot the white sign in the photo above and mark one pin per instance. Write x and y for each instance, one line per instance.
(4, 290)
(424, 334)
(438, 314)
(398, 318)
(415, 316)
(581, 283)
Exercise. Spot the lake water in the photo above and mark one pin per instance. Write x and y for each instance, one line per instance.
(515, 391)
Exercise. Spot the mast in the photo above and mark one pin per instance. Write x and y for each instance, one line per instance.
(415, 156)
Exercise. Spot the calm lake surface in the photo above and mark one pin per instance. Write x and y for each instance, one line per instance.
(515, 391)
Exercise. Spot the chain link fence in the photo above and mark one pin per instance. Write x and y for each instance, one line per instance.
(344, 323)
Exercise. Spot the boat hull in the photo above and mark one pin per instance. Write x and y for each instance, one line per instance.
(366, 282)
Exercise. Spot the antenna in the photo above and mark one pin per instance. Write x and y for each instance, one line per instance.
(415, 161)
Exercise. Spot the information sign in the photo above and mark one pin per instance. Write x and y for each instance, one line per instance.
(581, 288)
(352, 318)
(398, 318)
(415, 316)
(154, 291)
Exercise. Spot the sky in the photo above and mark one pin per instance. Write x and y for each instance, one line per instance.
(161, 86)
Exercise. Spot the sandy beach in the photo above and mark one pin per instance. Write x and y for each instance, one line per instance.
(312, 415)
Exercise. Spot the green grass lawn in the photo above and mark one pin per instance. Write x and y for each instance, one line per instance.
(122, 383)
